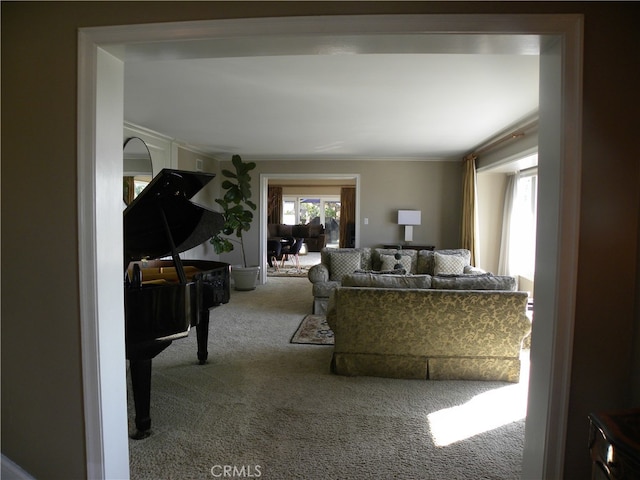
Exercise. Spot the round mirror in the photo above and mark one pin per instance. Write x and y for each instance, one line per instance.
(138, 169)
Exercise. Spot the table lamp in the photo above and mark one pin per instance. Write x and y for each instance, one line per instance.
(408, 218)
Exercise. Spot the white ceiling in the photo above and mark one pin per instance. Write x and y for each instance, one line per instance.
(343, 99)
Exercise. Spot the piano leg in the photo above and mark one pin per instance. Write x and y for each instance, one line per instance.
(202, 331)
(141, 385)
(140, 368)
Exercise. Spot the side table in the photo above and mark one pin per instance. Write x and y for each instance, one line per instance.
(614, 445)
(409, 247)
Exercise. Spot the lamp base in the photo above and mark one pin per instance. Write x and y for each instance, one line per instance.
(408, 233)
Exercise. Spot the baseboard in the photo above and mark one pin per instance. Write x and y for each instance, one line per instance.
(12, 471)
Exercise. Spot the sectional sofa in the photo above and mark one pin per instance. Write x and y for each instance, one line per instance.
(441, 269)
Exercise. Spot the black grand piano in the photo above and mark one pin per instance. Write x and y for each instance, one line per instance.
(164, 298)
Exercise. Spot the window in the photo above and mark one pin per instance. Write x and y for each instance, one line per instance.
(522, 242)
(323, 210)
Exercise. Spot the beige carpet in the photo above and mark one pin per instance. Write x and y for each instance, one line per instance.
(266, 405)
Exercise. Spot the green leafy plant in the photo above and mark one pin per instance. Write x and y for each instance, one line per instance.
(237, 208)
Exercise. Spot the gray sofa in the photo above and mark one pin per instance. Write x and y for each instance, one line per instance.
(378, 267)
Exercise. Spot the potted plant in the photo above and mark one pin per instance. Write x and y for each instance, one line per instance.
(237, 209)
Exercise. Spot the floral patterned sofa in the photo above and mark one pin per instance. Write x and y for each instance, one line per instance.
(372, 267)
(428, 333)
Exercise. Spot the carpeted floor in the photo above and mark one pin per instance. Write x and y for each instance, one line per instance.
(265, 407)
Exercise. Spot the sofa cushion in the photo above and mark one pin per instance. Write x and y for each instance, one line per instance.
(448, 264)
(389, 262)
(343, 263)
(300, 231)
(426, 258)
(386, 280)
(378, 253)
(285, 230)
(316, 229)
(273, 229)
(397, 271)
(474, 282)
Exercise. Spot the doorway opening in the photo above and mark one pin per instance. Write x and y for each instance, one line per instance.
(321, 189)
(99, 172)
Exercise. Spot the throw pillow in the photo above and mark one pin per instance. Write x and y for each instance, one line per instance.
(389, 262)
(343, 263)
(448, 264)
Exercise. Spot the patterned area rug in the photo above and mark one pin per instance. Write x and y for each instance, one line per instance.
(313, 330)
(287, 271)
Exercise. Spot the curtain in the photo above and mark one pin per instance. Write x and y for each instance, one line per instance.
(274, 205)
(347, 216)
(129, 190)
(504, 264)
(469, 214)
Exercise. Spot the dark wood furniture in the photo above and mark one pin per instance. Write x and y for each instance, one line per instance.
(614, 445)
(314, 234)
(410, 246)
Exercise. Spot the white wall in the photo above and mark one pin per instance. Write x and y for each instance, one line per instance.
(160, 146)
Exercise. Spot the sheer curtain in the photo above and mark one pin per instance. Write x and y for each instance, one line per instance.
(469, 206)
(504, 263)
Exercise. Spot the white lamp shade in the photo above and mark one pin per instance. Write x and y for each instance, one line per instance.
(409, 217)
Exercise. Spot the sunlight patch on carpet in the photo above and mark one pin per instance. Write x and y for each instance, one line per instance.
(484, 412)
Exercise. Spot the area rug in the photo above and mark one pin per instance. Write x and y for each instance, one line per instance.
(287, 271)
(313, 330)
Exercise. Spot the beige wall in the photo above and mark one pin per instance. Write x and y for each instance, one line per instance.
(432, 187)
(42, 407)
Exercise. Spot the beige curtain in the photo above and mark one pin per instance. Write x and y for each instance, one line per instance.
(128, 190)
(274, 205)
(469, 215)
(347, 216)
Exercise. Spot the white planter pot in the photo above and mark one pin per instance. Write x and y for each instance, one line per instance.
(245, 278)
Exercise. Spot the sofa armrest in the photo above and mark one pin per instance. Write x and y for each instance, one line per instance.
(318, 273)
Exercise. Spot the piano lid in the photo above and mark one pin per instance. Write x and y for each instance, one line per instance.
(168, 196)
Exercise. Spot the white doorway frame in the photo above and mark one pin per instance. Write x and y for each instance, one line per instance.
(264, 190)
(100, 80)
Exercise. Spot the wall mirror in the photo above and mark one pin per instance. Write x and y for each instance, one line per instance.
(138, 169)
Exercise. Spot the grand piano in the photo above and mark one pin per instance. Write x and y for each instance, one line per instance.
(165, 298)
